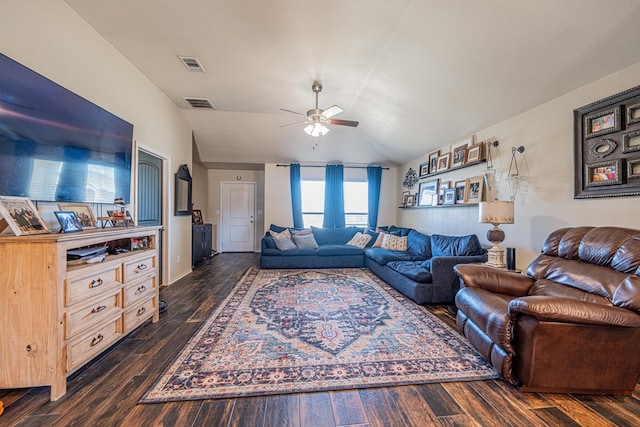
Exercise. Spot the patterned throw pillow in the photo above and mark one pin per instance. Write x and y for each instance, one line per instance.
(360, 240)
(394, 243)
(283, 240)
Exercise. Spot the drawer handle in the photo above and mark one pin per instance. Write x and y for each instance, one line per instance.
(98, 309)
(140, 289)
(96, 340)
(141, 311)
(95, 283)
(141, 267)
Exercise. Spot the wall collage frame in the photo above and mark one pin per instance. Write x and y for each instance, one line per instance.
(434, 191)
(607, 147)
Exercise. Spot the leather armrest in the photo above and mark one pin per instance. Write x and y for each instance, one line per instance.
(567, 310)
(494, 280)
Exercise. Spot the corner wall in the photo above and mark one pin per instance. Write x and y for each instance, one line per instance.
(546, 132)
(50, 38)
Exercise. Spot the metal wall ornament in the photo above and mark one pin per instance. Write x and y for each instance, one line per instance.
(410, 179)
(610, 166)
(602, 148)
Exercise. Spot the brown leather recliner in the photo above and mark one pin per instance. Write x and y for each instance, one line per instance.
(571, 325)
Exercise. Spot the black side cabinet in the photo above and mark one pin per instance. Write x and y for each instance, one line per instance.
(201, 242)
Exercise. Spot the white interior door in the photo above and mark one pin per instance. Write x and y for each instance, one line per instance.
(237, 221)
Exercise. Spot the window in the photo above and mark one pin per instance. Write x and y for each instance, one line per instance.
(355, 203)
(356, 207)
(312, 203)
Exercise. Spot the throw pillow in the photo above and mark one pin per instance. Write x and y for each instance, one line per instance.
(283, 240)
(302, 232)
(379, 239)
(305, 241)
(394, 243)
(360, 240)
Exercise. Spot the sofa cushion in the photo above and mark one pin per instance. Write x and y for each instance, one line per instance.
(338, 250)
(394, 243)
(374, 236)
(334, 236)
(283, 240)
(383, 256)
(360, 240)
(399, 231)
(290, 253)
(268, 241)
(419, 244)
(455, 245)
(412, 270)
(303, 241)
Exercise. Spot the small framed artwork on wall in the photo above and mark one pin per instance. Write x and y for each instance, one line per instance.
(443, 162)
(460, 191)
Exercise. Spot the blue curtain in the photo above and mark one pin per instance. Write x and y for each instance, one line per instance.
(296, 195)
(334, 197)
(374, 179)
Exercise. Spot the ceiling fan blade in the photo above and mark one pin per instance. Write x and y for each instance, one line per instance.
(331, 111)
(343, 122)
(291, 111)
(294, 124)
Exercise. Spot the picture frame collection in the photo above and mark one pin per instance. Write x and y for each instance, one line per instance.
(440, 192)
(607, 147)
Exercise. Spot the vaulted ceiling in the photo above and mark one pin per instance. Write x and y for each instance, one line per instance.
(416, 74)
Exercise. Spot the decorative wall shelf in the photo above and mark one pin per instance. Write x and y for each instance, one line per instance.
(466, 165)
(458, 205)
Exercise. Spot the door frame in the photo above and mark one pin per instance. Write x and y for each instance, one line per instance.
(166, 183)
(222, 201)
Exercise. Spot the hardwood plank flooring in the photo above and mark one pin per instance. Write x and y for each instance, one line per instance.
(106, 392)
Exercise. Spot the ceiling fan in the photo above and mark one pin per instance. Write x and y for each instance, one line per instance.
(317, 119)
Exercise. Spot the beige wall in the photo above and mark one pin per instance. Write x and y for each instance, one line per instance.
(277, 195)
(217, 176)
(546, 132)
(49, 37)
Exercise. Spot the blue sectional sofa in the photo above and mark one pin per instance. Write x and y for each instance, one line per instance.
(423, 272)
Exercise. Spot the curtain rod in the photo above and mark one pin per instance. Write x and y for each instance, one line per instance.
(321, 166)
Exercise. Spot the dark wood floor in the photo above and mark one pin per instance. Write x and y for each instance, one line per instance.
(106, 392)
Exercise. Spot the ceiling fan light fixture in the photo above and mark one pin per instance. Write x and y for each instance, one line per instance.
(316, 129)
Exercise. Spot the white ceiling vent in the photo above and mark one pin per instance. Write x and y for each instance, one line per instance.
(200, 103)
(192, 63)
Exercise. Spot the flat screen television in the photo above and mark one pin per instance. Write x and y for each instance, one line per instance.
(58, 146)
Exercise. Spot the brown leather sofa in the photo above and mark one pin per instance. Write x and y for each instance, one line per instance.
(571, 324)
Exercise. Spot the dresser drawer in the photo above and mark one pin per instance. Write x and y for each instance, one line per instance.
(88, 315)
(84, 284)
(140, 290)
(138, 314)
(140, 267)
(89, 345)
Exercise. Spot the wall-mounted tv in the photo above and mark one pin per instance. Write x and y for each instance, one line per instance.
(56, 145)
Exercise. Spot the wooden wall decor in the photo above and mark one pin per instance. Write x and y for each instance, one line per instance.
(607, 147)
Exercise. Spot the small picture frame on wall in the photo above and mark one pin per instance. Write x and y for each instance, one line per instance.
(633, 169)
(604, 173)
(474, 153)
(631, 142)
(633, 114)
(433, 161)
(460, 187)
(443, 162)
(410, 200)
(405, 195)
(474, 187)
(449, 197)
(602, 122)
(423, 170)
(428, 193)
(197, 216)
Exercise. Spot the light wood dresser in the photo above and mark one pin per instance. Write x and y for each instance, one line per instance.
(55, 316)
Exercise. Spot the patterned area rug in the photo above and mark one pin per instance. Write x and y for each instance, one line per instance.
(292, 331)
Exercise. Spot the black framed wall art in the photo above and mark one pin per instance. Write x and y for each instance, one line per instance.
(607, 147)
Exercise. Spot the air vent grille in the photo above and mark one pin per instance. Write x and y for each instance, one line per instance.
(192, 63)
(200, 103)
